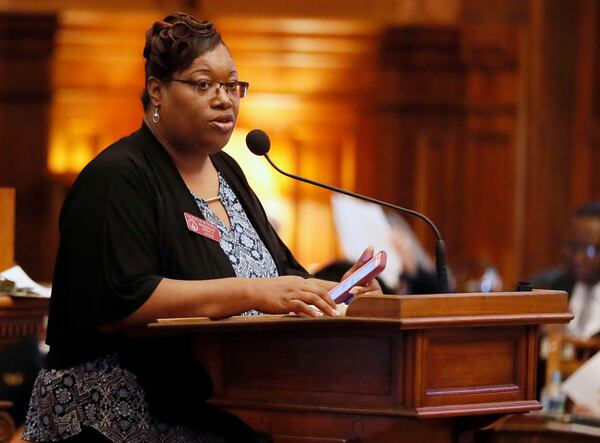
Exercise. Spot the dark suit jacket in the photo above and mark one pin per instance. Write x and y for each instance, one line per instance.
(557, 278)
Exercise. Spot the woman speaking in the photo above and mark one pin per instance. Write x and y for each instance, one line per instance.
(161, 224)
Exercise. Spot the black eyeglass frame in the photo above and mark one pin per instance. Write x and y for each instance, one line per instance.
(241, 86)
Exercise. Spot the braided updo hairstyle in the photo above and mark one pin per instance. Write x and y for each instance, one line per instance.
(173, 44)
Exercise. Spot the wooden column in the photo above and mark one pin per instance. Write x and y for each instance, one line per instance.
(548, 104)
(488, 177)
(446, 124)
(474, 125)
(7, 227)
(417, 125)
(585, 185)
(26, 43)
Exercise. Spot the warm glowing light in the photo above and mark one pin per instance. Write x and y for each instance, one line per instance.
(57, 157)
(272, 188)
(257, 170)
(262, 177)
(69, 154)
(276, 112)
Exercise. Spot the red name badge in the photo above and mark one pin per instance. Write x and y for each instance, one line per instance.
(202, 227)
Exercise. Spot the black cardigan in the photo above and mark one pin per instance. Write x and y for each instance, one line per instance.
(122, 230)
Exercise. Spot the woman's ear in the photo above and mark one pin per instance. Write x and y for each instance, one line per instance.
(154, 87)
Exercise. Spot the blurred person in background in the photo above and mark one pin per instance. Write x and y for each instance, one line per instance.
(579, 276)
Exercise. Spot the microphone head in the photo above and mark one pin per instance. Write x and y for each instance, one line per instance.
(258, 142)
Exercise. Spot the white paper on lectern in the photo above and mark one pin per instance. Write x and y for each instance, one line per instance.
(360, 224)
(17, 275)
(583, 386)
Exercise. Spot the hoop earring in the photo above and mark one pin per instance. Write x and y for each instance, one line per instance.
(156, 115)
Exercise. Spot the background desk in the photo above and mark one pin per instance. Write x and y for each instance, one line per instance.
(532, 428)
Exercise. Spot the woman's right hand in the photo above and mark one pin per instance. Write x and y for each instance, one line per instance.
(281, 295)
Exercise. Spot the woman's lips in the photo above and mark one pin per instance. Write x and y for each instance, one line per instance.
(223, 126)
(222, 123)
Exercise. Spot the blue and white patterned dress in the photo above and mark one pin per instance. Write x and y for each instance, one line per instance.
(245, 250)
(103, 395)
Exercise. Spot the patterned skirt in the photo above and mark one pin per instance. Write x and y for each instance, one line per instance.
(101, 395)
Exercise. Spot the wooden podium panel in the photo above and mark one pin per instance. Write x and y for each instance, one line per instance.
(430, 365)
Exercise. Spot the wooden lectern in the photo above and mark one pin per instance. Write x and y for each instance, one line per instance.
(429, 368)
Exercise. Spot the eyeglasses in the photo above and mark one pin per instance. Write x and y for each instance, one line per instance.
(590, 250)
(233, 88)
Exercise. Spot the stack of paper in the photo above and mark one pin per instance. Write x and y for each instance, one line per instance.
(583, 387)
(25, 286)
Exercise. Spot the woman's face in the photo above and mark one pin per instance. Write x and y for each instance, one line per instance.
(204, 121)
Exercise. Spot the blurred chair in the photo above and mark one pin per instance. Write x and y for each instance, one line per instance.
(566, 353)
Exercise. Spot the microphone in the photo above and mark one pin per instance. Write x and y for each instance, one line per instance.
(258, 142)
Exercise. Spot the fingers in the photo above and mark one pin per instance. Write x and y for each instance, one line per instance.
(364, 257)
(319, 291)
(362, 291)
(295, 294)
(318, 302)
(325, 284)
(373, 288)
(374, 285)
(299, 307)
(311, 294)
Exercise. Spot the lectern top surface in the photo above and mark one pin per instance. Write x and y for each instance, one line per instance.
(409, 312)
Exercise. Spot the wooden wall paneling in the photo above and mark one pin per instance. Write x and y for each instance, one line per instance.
(594, 144)
(54, 6)
(549, 107)
(455, 107)
(445, 103)
(303, 76)
(394, 160)
(367, 172)
(100, 104)
(436, 176)
(586, 136)
(506, 12)
(418, 120)
(26, 47)
(583, 168)
(490, 53)
(455, 226)
(318, 156)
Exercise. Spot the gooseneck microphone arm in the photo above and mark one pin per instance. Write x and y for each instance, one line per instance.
(359, 196)
(258, 142)
(440, 247)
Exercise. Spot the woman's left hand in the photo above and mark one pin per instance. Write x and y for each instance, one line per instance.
(372, 287)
